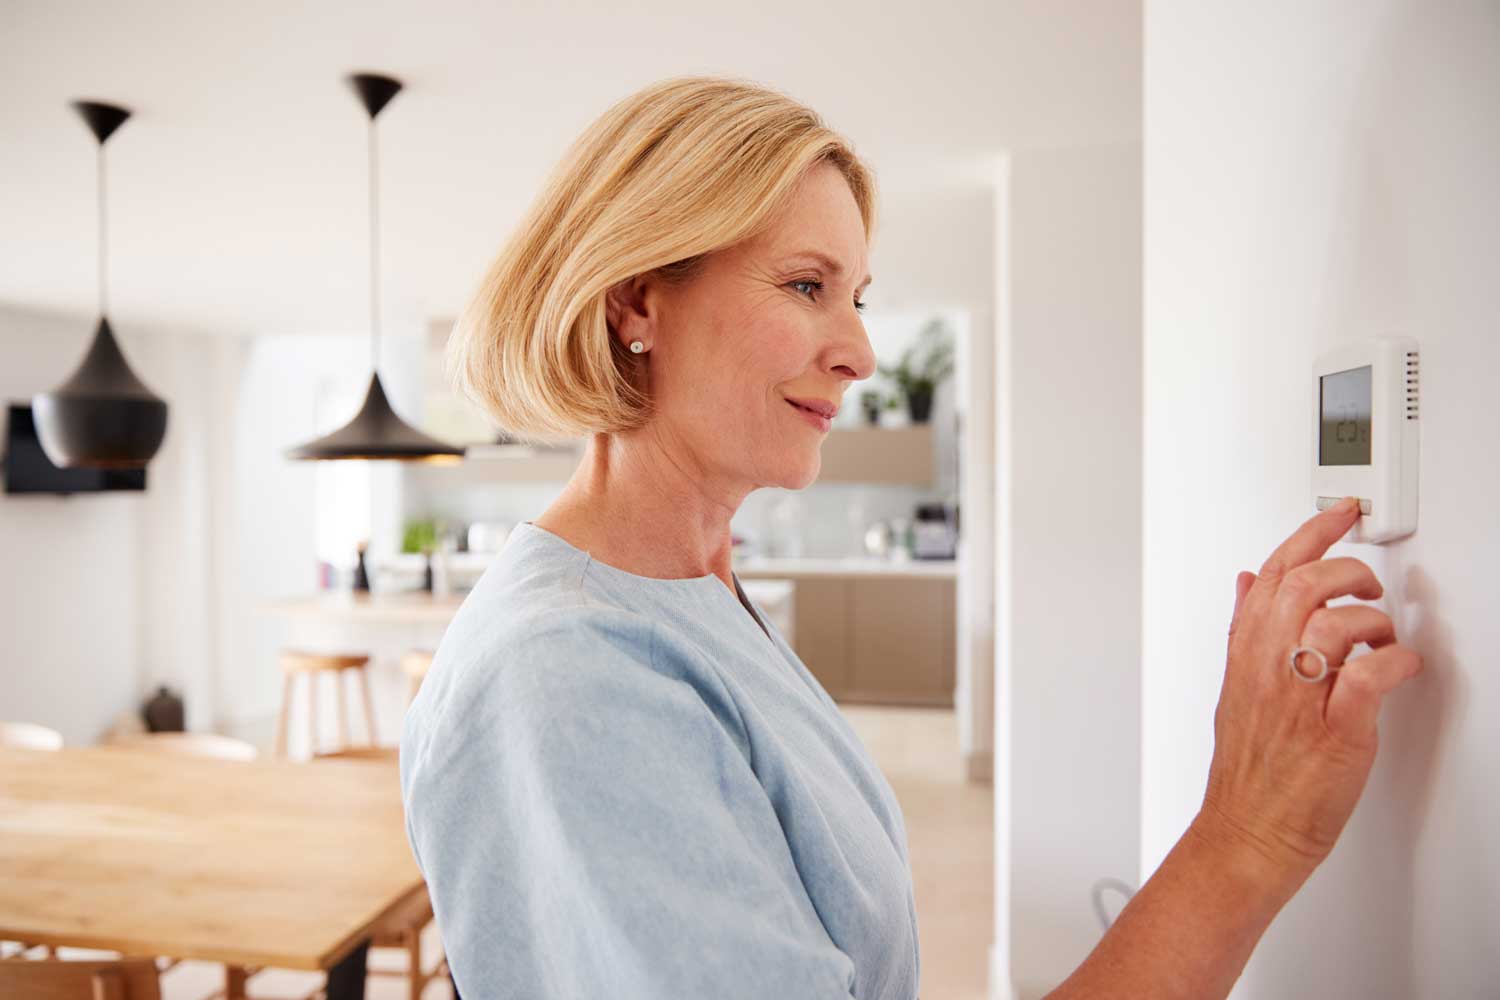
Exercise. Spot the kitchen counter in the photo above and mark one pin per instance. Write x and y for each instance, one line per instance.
(414, 608)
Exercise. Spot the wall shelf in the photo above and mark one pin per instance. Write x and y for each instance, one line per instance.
(509, 463)
(904, 456)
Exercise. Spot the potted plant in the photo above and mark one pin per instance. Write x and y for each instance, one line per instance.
(872, 401)
(421, 537)
(922, 368)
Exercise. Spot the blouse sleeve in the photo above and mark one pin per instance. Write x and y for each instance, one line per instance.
(588, 828)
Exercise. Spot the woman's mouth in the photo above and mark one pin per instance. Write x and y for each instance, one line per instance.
(819, 421)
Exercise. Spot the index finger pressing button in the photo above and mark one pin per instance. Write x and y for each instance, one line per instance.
(1323, 503)
(1308, 542)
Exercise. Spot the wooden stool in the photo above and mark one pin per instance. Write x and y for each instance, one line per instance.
(415, 664)
(293, 664)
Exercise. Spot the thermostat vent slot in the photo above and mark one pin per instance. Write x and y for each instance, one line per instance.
(1413, 385)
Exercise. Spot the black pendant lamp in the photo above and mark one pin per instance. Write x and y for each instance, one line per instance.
(103, 416)
(376, 432)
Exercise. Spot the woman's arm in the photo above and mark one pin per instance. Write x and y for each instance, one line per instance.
(1290, 760)
(1191, 928)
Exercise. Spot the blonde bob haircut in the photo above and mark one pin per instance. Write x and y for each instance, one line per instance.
(687, 166)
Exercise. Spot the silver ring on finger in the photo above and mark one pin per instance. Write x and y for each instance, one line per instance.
(1323, 668)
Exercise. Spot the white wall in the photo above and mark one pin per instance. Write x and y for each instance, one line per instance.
(69, 599)
(1067, 642)
(1316, 174)
(105, 596)
(101, 594)
(178, 578)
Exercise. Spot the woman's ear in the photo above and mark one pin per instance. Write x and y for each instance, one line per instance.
(630, 310)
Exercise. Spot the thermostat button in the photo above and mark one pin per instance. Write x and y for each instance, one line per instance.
(1323, 503)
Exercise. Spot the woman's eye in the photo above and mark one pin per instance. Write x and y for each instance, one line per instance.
(817, 286)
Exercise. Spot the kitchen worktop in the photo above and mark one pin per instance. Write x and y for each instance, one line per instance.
(393, 608)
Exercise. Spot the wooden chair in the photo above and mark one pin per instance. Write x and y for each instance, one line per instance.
(193, 744)
(29, 736)
(311, 665)
(72, 979)
(402, 929)
(415, 665)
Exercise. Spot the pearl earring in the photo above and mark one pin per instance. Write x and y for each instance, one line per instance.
(636, 347)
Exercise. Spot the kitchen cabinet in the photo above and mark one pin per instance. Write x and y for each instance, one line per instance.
(904, 456)
(872, 637)
(820, 613)
(901, 642)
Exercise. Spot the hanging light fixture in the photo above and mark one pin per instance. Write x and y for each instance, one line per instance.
(376, 432)
(103, 416)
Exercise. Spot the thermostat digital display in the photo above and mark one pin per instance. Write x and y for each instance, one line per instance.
(1366, 415)
(1345, 425)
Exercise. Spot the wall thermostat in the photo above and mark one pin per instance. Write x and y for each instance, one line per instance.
(1366, 414)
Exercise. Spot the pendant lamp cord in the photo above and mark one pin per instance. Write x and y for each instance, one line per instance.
(103, 249)
(374, 254)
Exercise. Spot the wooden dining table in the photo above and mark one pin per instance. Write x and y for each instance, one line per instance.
(263, 863)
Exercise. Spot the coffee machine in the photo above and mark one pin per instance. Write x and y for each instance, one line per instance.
(934, 533)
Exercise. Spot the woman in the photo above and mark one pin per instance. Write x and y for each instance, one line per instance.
(620, 781)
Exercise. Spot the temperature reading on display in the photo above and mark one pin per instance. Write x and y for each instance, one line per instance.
(1345, 420)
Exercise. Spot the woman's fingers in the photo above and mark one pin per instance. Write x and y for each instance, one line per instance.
(1335, 632)
(1354, 704)
(1242, 584)
(1310, 541)
(1308, 587)
(1290, 758)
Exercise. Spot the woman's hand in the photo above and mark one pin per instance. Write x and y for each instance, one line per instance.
(1291, 757)
(1290, 760)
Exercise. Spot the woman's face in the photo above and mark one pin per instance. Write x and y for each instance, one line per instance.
(762, 322)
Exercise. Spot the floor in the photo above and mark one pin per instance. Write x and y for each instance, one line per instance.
(950, 839)
(949, 823)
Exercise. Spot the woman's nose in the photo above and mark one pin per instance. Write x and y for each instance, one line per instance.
(856, 358)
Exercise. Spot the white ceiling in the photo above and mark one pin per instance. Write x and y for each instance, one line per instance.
(237, 192)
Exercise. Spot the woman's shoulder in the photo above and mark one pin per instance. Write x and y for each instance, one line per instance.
(511, 666)
(521, 637)
(532, 642)
(532, 596)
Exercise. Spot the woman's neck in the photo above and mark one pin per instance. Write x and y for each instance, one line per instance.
(637, 506)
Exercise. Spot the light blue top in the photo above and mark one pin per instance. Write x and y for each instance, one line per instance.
(619, 786)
